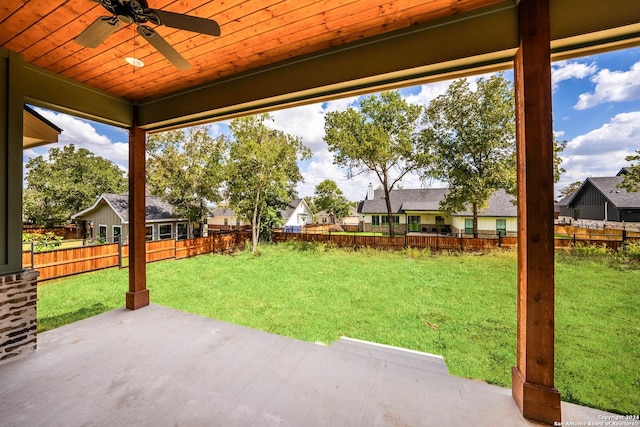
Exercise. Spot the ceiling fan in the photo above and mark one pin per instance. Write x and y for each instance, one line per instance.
(138, 12)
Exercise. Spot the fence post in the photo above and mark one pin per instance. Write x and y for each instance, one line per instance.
(120, 253)
(33, 266)
(500, 240)
(574, 239)
(624, 239)
(354, 239)
(405, 239)
(461, 243)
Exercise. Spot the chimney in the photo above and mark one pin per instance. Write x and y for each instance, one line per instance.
(370, 192)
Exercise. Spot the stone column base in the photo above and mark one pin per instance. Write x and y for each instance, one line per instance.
(18, 314)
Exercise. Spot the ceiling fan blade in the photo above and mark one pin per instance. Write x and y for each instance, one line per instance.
(187, 22)
(98, 31)
(163, 47)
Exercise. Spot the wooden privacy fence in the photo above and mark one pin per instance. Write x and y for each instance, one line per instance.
(433, 242)
(66, 262)
(439, 243)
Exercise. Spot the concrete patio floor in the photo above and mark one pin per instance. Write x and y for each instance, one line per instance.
(161, 367)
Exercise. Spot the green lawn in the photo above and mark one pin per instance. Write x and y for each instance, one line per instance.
(460, 306)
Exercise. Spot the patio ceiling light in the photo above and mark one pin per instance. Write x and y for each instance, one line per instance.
(134, 61)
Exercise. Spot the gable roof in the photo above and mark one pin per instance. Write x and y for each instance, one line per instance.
(288, 211)
(567, 199)
(156, 208)
(619, 197)
(428, 199)
(222, 211)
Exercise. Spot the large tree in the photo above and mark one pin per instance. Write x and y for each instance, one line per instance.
(471, 134)
(631, 179)
(67, 181)
(184, 168)
(329, 198)
(262, 171)
(381, 138)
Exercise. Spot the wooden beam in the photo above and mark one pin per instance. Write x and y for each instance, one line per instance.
(11, 67)
(533, 378)
(49, 90)
(138, 295)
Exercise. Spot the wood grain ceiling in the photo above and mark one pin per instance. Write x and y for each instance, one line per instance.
(255, 33)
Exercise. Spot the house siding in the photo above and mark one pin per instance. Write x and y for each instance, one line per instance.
(296, 216)
(486, 225)
(589, 204)
(104, 215)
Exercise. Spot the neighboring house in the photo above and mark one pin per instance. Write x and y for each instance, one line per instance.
(296, 214)
(108, 219)
(323, 217)
(562, 206)
(222, 216)
(601, 199)
(418, 210)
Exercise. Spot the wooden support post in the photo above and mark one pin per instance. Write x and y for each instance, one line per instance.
(533, 378)
(138, 295)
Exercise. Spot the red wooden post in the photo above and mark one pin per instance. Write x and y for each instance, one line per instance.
(138, 295)
(533, 379)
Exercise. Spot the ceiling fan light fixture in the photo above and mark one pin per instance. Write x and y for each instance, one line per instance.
(134, 61)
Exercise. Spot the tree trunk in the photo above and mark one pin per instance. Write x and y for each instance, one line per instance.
(387, 200)
(255, 227)
(475, 220)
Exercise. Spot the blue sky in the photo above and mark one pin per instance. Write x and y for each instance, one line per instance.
(596, 109)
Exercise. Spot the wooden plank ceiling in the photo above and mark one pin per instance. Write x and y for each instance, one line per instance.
(254, 34)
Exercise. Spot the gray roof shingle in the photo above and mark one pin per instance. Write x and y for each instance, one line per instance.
(156, 208)
(428, 199)
(620, 197)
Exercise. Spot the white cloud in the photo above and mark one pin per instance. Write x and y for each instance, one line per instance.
(602, 151)
(566, 70)
(622, 133)
(83, 135)
(612, 86)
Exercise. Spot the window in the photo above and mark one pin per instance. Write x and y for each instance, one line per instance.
(149, 232)
(385, 220)
(165, 231)
(117, 231)
(102, 231)
(439, 221)
(501, 227)
(182, 230)
(238, 222)
(226, 221)
(375, 220)
(468, 226)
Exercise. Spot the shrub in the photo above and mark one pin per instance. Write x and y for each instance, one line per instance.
(42, 242)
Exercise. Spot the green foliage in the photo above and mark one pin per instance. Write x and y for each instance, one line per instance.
(329, 198)
(262, 172)
(558, 147)
(42, 242)
(65, 182)
(380, 138)
(571, 188)
(631, 179)
(471, 135)
(184, 169)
